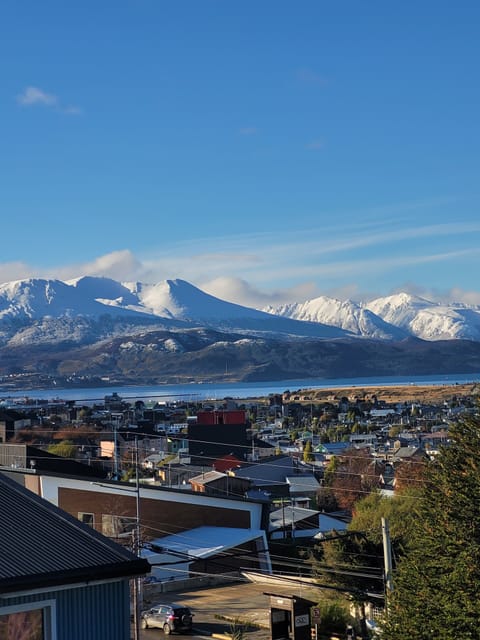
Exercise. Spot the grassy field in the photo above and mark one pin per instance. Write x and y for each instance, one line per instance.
(409, 393)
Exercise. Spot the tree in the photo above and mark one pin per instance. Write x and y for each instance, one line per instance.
(395, 430)
(308, 452)
(409, 474)
(436, 583)
(397, 510)
(330, 470)
(84, 413)
(65, 449)
(355, 477)
(350, 561)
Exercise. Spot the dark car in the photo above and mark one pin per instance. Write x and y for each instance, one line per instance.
(169, 617)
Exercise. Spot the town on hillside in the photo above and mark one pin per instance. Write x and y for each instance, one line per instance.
(251, 489)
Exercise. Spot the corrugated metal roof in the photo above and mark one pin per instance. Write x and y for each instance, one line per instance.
(208, 476)
(42, 545)
(206, 541)
(286, 515)
(299, 484)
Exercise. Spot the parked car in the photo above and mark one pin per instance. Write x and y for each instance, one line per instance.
(169, 617)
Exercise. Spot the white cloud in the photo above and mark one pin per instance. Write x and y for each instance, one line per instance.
(118, 265)
(72, 110)
(448, 296)
(466, 297)
(257, 268)
(16, 271)
(33, 96)
(36, 96)
(190, 262)
(242, 292)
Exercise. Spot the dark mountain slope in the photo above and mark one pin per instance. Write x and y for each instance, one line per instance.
(201, 354)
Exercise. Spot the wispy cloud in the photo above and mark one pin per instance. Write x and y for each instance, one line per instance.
(118, 265)
(455, 295)
(242, 292)
(10, 271)
(257, 268)
(72, 110)
(33, 96)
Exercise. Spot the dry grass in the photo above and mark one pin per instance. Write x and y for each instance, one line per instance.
(407, 393)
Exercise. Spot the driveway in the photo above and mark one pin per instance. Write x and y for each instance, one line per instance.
(217, 608)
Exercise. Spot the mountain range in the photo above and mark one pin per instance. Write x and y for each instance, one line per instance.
(171, 331)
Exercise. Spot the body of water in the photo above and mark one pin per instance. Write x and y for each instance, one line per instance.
(211, 391)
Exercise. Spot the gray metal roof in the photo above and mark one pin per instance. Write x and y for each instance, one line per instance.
(268, 471)
(284, 516)
(206, 541)
(42, 546)
(303, 484)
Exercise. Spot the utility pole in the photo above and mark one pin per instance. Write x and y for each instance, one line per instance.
(115, 449)
(387, 557)
(136, 594)
(136, 549)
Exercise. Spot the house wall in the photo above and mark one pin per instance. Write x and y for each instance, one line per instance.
(156, 515)
(162, 511)
(95, 612)
(32, 482)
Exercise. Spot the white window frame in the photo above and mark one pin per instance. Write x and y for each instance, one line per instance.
(87, 513)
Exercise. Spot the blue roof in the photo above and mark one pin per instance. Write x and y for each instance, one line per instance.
(332, 448)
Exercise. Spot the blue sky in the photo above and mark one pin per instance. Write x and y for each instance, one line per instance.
(265, 151)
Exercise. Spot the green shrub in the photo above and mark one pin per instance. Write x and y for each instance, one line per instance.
(334, 617)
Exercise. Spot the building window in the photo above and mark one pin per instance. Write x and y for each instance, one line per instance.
(86, 518)
(118, 526)
(26, 622)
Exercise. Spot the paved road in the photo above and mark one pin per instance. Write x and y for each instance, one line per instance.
(244, 602)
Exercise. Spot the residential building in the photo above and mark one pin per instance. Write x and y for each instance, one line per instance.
(58, 578)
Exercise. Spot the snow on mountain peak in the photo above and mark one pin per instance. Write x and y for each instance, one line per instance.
(181, 300)
(177, 301)
(428, 320)
(345, 314)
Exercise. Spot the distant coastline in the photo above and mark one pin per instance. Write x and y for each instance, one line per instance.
(198, 391)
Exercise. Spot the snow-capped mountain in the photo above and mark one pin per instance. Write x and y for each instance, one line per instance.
(346, 315)
(428, 320)
(391, 317)
(172, 303)
(28, 308)
(36, 298)
(91, 329)
(400, 309)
